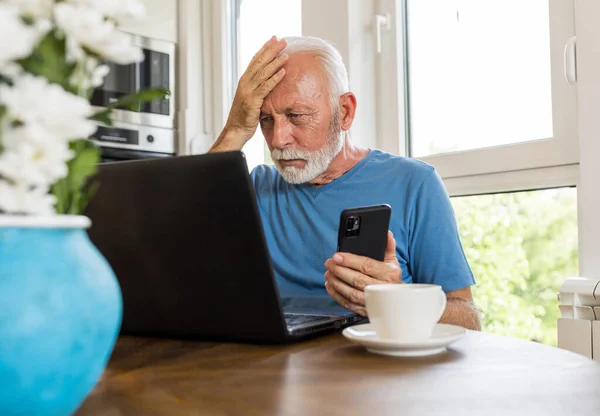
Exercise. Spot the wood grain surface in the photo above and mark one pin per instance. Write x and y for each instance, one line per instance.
(481, 374)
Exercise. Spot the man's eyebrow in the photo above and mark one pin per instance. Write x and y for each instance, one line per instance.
(297, 107)
(291, 109)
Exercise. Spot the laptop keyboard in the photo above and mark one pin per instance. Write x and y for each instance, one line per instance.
(293, 320)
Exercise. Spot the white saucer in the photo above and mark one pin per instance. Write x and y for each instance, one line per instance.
(442, 336)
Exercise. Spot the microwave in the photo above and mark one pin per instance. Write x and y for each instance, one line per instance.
(157, 70)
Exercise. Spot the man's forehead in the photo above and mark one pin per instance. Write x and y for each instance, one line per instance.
(301, 84)
(302, 66)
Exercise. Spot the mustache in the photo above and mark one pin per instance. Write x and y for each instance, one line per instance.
(290, 154)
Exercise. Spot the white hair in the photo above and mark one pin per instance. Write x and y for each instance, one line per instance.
(331, 61)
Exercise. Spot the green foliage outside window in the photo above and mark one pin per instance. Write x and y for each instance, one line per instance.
(521, 246)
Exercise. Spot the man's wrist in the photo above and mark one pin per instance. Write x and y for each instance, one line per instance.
(229, 139)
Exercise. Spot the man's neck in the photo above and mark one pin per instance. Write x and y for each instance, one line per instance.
(345, 160)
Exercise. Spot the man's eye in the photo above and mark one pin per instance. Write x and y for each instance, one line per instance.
(265, 119)
(293, 115)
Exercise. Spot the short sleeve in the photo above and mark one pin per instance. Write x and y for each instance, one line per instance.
(436, 255)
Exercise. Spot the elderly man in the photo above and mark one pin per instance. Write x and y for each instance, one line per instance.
(297, 90)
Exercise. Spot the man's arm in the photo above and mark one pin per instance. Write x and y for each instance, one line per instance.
(229, 140)
(347, 276)
(262, 75)
(460, 310)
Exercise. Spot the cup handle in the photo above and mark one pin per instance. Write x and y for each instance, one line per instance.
(443, 308)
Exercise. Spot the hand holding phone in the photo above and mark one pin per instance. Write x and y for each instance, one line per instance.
(364, 231)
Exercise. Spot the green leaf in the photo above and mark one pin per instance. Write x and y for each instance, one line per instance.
(133, 101)
(87, 194)
(48, 60)
(81, 167)
(59, 190)
(28, 19)
(103, 116)
(130, 102)
(74, 191)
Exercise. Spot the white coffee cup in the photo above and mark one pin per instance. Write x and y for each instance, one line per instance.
(404, 312)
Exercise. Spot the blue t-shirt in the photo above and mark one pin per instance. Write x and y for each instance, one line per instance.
(301, 222)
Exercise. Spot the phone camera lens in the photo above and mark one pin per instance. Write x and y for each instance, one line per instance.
(353, 223)
(350, 223)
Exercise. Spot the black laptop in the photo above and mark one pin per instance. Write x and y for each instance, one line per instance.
(185, 239)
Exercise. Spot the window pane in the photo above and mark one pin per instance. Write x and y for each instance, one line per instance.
(258, 21)
(521, 246)
(479, 73)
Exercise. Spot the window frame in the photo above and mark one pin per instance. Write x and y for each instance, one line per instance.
(562, 149)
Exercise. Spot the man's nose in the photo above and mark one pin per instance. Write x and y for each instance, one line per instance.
(282, 134)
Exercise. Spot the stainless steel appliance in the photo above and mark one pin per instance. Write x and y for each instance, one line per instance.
(150, 131)
(126, 142)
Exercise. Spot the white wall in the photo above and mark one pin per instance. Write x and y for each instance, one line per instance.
(587, 23)
(160, 21)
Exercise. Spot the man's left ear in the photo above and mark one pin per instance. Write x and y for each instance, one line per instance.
(347, 110)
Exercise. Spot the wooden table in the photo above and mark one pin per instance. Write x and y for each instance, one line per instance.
(481, 374)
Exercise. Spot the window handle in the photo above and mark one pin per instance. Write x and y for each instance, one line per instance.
(570, 60)
(382, 22)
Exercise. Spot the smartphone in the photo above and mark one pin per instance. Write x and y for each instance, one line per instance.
(363, 230)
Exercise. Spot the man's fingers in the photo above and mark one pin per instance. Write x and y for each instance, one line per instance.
(351, 294)
(349, 276)
(390, 251)
(361, 310)
(265, 56)
(267, 86)
(365, 265)
(267, 72)
(265, 46)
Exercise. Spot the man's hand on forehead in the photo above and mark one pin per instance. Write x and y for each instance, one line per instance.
(262, 75)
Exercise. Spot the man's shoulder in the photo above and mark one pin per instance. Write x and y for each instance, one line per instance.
(263, 170)
(264, 175)
(399, 166)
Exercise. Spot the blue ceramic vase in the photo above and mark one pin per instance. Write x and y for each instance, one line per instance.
(60, 314)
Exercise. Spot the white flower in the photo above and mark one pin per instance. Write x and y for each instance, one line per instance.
(35, 164)
(87, 27)
(22, 198)
(89, 73)
(11, 70)
(98, 75)
(47, 111)
(121, 11)
(33, 8)
(17, 39)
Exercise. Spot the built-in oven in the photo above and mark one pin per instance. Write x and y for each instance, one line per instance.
(124, 142)
(151, 130)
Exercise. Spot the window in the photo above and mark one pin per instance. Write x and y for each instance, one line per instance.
(520, 246)
(257, 21)
(484, 85)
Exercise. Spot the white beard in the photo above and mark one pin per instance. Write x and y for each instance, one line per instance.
(316, 162)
